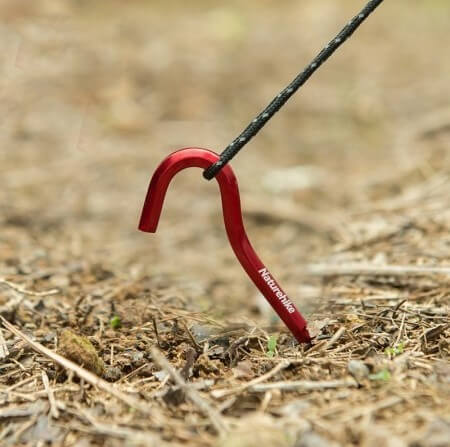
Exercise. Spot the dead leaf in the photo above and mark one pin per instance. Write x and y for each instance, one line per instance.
(243, 370)
(315, 327)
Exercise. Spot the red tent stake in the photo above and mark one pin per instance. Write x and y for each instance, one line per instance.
(231, 205)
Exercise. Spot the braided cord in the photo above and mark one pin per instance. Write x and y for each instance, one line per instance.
(258, 123)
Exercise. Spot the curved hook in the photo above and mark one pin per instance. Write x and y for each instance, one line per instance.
(231, 205)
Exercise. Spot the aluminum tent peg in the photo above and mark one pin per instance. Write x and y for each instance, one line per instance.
(231, 205)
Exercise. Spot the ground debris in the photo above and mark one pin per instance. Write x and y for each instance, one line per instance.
(358, 369)
(437, 434)
(311, 439)
(270, 432)
(372, 225)
(81, 351)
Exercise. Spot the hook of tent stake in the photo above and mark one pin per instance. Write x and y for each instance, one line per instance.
(231, 205)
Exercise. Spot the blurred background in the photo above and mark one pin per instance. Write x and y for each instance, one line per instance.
(95, 94)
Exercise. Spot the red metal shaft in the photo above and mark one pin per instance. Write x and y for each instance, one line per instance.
(231, 205)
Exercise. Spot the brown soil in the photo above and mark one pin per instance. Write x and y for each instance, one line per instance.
(354, 175)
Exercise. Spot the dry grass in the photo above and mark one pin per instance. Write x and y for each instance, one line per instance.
(358, 232)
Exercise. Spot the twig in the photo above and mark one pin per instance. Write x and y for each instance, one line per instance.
(197, 347)
(51, 397)
(304, 385)
(4, 352)
(133, 373)
(227, 392)
(317, 347)
(339, 333)
(21, 383)
(110, 429)
(78, 370)
(155, 327)
(375, 270)
(265, 402)
(214, 416)
(22, 411)
(24, 291)
(400, 331)
(111, 360)
(382, 405)
(25, 426)
(133, 437)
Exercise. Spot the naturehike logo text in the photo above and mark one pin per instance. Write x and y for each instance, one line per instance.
(287, 303)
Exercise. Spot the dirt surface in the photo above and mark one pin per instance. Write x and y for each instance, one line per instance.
(346, 197)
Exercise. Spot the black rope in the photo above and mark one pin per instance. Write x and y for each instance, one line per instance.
(258, 123)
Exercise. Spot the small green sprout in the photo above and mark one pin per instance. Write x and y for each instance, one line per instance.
(395, 350)
(271, 345)
(384, 376)
(115, 322)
